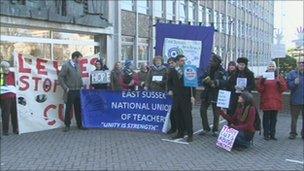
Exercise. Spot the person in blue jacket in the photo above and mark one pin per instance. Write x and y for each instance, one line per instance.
(295, 79)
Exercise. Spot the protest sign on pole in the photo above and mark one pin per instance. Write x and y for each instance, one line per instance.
(223, 99)
(190, 76)
(226, 138)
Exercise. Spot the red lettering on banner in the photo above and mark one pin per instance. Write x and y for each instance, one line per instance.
(45, 114)
(83, 68)
(56, 84)
(36, 82)
(47, 84)
(21, 65)
(23, 79)
(56, 66)
(60, 112)
(40, 66)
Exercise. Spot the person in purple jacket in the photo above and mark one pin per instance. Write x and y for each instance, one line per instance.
(295, 79)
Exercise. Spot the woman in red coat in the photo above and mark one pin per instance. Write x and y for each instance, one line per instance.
(271, 91)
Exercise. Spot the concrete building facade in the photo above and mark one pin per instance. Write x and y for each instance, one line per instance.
(121, 30)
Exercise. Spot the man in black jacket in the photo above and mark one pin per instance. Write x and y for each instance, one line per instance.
(183, 99)
(214, 79)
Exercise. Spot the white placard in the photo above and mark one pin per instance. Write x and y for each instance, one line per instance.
(226, 138)
(223, 99)
(100, 77)
(241, 82)
(157, 78)
(268, 75)
(190, 48)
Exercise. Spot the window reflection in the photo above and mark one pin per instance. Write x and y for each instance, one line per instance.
(25, 32)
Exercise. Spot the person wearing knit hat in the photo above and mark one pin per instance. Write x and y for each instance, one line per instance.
(214, 79)
(271, 99)
(243, 120)
(241, 80)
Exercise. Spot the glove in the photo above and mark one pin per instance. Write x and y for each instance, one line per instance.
(297, 81)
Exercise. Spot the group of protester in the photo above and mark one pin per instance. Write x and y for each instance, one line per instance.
(169, 78)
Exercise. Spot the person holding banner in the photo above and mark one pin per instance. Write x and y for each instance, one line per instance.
(99, 67)
(157, 76)
(70, 80)
(171, 65)
(142, 75)
(242, 80)
(130, 81)
(295, 79)
(8, 99)
(116, 77)
(183, 99)
(243, 120)
(271, 90)
(214, 79)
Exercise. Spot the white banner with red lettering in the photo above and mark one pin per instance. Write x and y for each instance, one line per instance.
(40, 103)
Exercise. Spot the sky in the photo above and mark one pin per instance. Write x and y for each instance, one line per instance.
(288, 16)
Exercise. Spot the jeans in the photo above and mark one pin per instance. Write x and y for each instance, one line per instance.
(269, 122)
(9, 109)
(243, 139)
(295, 111)
(203, 111)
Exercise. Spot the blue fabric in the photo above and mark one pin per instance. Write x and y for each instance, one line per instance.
(187, 32)
(297, 90)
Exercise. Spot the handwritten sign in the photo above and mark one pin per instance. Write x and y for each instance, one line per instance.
(226, 138)
(100, 77)
(268, 75)
(157, 78)
(223, 99)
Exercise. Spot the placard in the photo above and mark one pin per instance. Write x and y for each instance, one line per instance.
(100, 77)
(226, 138)
(268, 75)
(223, 99)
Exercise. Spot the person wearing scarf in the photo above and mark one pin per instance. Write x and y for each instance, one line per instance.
(116, 77)
(271, 95)
(157, 76)
(242, 120)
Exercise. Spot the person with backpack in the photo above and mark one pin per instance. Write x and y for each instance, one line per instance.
(271, 100)
(245, 120)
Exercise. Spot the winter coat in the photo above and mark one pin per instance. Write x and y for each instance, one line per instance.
(157, 85)
(219, 77)
(271, 97)
(242, 74)
(116, 80)
(247, 125)
(297, 90)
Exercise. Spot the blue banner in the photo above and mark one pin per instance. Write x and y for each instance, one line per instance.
(190, 76)
(132, 110)
(186, 32)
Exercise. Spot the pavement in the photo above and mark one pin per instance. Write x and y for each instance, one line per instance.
(104, 149)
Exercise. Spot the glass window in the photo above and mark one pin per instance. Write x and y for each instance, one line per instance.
(200, 13)
(73, 36)
(190, 11)
(182, 11)
(25, 32)
(169, 10)
(41, 50)
(216, 19)
(127, 5)
(127, 48)
(142, 6)
(208, 16)
(64, 51)
(158, 8)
